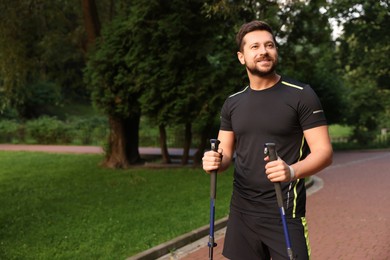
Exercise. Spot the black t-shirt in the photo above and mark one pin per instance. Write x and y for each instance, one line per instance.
(279, 115)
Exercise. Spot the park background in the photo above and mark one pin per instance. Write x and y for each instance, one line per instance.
(130, 74)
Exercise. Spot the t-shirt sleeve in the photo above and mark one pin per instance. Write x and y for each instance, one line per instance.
(311, 113)
(226, 123)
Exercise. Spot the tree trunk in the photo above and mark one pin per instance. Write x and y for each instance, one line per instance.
(123, 143)
(112, 7)
(187, 144)
(91, 21)
(163, 144)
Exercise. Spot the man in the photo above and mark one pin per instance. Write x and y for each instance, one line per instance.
(276, 109)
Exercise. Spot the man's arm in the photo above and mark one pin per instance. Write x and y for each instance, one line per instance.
(321, 154)
(222, 159)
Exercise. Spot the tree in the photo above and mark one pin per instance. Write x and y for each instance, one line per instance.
(111, 75)
(363, 42)
(181, 66)
(39, 46)
(156, 51)
(91, 21)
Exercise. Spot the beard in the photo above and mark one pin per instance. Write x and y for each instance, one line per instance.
(263, 73)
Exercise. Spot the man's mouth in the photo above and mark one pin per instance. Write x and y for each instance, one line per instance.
(264, 61)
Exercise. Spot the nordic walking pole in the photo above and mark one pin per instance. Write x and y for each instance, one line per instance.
(213, 192)
(271, 152)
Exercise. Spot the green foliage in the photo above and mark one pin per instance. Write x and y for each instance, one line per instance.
(39, 99)
(168, 57)
(9, 113)
(9, 131)
(174, 52)
(365, 38)
(66, 207)
(365, 110)
(384, 120)
(13, 51)
(91, 130)
(340, 131)
(29, 55)
(110, 77)
(175, 60)
(48, 130)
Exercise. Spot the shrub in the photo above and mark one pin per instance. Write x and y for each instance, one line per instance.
(91, 130)
(10, 130)
(48, 130)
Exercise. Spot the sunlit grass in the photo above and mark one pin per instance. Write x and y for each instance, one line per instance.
(340, 131)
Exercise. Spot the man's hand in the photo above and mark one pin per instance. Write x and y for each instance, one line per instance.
(212, 160)
(278, 171)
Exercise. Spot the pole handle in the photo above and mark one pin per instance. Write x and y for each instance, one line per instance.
(270, 150)
(214, 144)
(213, 177)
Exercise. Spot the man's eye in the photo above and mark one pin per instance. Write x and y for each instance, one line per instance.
(270, 45)
(254, 47)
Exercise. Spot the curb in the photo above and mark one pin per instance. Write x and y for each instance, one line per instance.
(190, 237)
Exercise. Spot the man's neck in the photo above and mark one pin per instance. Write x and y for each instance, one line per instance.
(261, 83)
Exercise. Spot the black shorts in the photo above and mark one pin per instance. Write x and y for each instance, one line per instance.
(249, 237)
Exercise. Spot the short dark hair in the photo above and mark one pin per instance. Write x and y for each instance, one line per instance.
(250, 27)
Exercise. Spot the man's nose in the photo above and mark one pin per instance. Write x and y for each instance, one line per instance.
(262, 49)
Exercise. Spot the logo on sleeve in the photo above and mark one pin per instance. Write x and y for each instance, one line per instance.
(318, 111)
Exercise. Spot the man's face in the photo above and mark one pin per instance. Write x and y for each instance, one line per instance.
(259, 53)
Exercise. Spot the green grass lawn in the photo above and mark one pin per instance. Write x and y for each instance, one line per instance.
(64, 206)
(340, 131)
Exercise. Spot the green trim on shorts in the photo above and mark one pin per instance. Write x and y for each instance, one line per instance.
(305, 227)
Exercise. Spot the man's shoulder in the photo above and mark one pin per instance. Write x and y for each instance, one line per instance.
(293, 83)
(239, 93)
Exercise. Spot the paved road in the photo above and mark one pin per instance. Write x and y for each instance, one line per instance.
(83, 149)
(349, 218)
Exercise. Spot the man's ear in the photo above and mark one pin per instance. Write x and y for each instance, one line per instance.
(240, 57)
